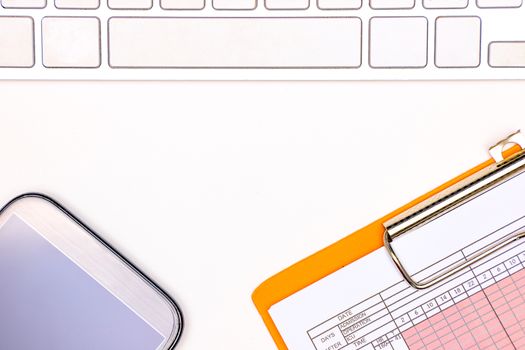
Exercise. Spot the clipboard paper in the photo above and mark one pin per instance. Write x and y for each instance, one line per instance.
(335, 257)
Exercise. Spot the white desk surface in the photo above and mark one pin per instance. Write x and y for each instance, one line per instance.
(211, 188)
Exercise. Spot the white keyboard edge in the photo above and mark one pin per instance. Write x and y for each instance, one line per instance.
(492, 17)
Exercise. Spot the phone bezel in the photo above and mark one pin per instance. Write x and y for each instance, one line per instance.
(101, 261)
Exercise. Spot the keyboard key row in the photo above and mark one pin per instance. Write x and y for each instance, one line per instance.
(252, 4)
(139, 42)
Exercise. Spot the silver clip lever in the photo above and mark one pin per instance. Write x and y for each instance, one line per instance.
(450, 199)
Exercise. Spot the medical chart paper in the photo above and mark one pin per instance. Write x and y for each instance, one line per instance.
(367, 304)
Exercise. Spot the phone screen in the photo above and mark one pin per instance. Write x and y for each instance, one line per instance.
(47, 302)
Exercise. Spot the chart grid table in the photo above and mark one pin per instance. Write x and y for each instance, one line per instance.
(481, 308)
(490, 319)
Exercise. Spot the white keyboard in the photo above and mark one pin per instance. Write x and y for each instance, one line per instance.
(262, 39)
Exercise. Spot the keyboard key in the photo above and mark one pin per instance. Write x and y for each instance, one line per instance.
(499, 3)
(130, 4)
(182, 4)
(340, 4)
(17, 42)
(392, 4)
(398, 42)
(287, 4)
(77, 4)
(234, 4)
(458, 42)
(445, 4)
(71, 42)
(235, 42)
(507, 54)
(29, 4)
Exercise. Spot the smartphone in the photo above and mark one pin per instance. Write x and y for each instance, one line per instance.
(62, 287)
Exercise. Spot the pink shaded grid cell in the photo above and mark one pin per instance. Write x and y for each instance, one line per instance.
(410, 332)
(453, 345)
(447, 337)
(467, 340)
(430, 339)
(428, 332)
(481, 332)
(487, 343)
(435, 345)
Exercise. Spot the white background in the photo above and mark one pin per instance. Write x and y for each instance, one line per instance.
(211, 188)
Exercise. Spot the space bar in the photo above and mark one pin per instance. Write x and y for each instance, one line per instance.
(136, 42)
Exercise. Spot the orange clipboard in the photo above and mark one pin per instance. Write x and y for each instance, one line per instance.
(357, 245)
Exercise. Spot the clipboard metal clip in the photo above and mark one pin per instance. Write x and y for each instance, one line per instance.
(442, 203)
